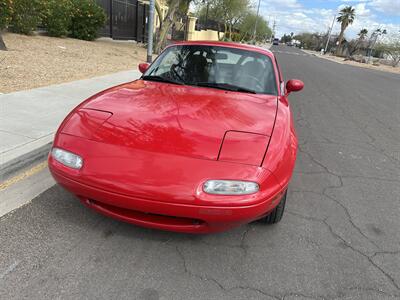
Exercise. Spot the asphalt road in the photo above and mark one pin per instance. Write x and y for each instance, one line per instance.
(339, 238)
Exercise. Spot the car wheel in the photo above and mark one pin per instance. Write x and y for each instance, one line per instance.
(276, 215)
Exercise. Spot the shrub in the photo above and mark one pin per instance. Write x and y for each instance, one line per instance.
(392, 50)
(5, 13)
(87, 18)
(236, 37)
(57, 17)
(80, 18)
(25, 16)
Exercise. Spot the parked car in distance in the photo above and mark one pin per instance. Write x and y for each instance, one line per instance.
(275, 41)
(290, 44)
(203, 142)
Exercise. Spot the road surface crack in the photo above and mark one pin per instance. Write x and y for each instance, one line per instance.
(324, 192)
(216, 282)
(349, 246)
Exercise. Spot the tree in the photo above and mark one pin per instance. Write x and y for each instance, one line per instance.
(373, 40)
(346, 17)
(228, 12)
(362, 34)
(357, 44)
(286, 38)
(246, 27)
(375, 37)
(174, 7)
(233, 12)
(5, 17)
(312, 41)
(159, 12)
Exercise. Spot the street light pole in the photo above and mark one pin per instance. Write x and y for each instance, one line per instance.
(255, 24)
(150, 33)
(329, 34)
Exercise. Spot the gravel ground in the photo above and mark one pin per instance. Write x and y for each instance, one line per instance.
(34, 61)
(341, 60)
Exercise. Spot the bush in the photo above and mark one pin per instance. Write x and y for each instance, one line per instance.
(5, 13)
(236, 37)
(80, 19)
(87, 18)
(26, 16)
(57, 17)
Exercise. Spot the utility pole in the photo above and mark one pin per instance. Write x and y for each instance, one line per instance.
(150, 33)
(273, 29)
(255, 24)
(329, 34)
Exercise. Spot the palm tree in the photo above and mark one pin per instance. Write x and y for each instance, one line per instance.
(356, 45)
(362, 34)
(346, 17)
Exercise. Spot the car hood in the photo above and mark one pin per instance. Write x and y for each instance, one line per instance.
(181, 120)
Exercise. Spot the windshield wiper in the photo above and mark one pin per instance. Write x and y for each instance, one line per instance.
(161, 79)
(225, 86)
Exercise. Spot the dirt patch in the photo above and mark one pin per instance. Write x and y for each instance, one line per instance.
(34, 61)
(341, 60)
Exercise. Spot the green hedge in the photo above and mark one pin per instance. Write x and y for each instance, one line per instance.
(5, 13)
(79, 19)
(57, 16)
(87, 18)
(26, 16)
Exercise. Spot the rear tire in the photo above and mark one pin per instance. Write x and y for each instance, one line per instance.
(276, 214)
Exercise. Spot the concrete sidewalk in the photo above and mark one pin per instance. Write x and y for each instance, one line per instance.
(29, 119)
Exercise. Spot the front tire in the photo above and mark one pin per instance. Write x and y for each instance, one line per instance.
(276, 214)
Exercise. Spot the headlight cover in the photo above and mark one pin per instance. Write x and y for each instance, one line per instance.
(230, 187)
(67, 158)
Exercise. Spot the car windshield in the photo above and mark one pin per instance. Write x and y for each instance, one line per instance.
(216, 67)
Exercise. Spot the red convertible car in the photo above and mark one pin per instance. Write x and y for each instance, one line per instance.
(204, 141)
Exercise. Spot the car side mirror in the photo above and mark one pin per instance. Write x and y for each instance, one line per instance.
(294, 85)
(143, 67)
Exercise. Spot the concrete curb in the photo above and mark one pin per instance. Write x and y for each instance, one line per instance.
(25, 155)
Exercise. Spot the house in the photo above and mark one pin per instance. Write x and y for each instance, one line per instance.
(128, 19)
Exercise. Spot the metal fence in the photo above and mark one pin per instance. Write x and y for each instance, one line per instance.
(126, 19)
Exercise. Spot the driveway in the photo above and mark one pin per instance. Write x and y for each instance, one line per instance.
(339, 238)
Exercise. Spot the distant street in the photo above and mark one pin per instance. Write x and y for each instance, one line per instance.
(339, 237)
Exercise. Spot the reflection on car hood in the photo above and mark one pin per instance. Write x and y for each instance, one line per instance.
(183, 120)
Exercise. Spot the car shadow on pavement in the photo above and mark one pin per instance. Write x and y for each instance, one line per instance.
(65, 209)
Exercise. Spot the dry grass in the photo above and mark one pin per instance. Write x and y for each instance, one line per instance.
(34, 61)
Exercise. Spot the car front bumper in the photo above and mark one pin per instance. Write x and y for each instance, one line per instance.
(169, 216)
(162, 191)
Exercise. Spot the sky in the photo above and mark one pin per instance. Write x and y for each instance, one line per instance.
(316, 16)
